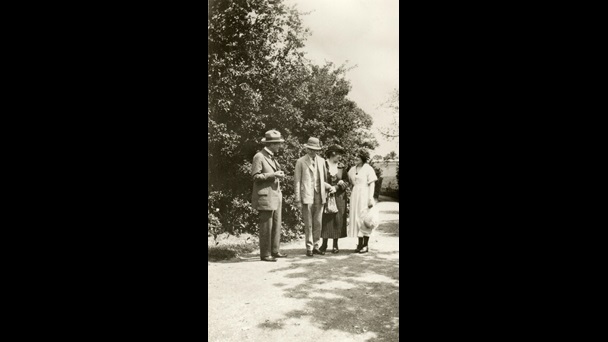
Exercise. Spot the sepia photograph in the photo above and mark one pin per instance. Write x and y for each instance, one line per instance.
(303, 170)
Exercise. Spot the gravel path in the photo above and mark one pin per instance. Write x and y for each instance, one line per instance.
(335, 297)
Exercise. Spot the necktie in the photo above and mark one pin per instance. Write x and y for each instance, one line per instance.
(276, 165)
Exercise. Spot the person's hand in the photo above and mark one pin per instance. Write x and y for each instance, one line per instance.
(341, 182)
(279, 174)
(370, 203)
(332, 190)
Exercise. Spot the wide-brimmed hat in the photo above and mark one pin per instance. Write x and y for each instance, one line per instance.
(336, 148)
(272, 136)
(313, 144)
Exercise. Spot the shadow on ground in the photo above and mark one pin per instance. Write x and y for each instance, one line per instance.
(389, 228)
(353, 293)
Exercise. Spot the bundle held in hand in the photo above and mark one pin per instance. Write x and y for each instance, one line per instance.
(370, 219)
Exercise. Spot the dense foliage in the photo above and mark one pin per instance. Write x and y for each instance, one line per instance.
(397, 174)
(259, 79)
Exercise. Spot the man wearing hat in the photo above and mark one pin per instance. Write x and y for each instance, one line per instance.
(267, 197)
(311, 191)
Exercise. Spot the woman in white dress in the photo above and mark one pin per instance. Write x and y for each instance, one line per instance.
(363, 177)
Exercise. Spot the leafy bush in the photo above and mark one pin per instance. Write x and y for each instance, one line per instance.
(259, 80)
(214, 224)
(234, 214)
(293, 226)
(397, 176)
(378, 171)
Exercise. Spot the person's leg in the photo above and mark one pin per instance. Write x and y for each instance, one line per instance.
(324, 245)
(317, 218)
(276, 228)
(335, 243)
(365, 249)
(327, 222)
(265, 224)
(359, 244)
(307, 218)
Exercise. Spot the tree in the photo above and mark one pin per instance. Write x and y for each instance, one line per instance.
(392, 104)
(377, 157)
(390, 155)
(397, 176)
(259, 80)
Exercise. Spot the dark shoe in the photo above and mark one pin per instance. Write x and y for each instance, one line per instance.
(364, 250)
(317, 251)
(309, 254)
(335, 251)
(268, 258)
(358, 248)
(323, 249)
(279, 255)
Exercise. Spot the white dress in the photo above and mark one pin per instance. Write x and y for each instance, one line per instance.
(359, 196)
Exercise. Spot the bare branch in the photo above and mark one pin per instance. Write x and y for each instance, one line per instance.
(389, 133)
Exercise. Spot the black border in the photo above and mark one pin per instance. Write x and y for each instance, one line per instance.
(124, 179)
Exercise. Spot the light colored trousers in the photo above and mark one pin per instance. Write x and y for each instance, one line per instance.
(312, 214)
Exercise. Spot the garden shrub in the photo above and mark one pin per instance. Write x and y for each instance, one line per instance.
(397, 177)
(259, 79)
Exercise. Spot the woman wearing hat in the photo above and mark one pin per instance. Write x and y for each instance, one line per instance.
(334, 225)
(363, 177)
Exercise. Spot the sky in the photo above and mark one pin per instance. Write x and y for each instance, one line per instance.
(364, 33)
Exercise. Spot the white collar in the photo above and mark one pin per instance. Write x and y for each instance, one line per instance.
(269, 151)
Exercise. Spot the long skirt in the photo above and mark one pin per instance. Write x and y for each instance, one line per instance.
(358, 203)
(334, 225)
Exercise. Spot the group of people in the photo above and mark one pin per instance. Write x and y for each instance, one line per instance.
(316, 182)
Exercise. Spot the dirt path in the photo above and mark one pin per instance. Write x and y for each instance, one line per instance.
(335, 297)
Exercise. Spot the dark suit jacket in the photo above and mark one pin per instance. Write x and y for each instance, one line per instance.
(266, 188)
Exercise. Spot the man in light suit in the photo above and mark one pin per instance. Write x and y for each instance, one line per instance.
(311, 191)
(267, 197)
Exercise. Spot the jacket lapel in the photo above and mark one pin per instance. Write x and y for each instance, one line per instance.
(307, 161)
(269, 161)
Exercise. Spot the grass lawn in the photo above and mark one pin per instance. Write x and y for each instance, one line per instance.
(230, 246)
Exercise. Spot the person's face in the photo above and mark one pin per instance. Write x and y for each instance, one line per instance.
(275, 147)
(359, 160)
(311, 153)
(335, 158)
